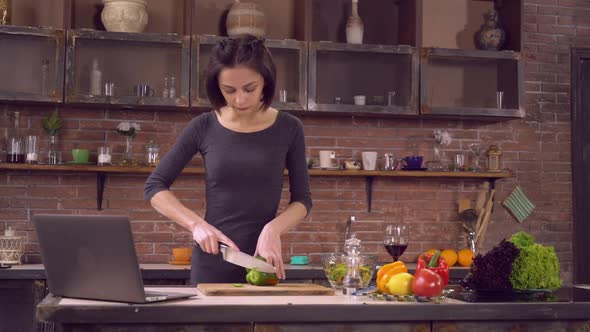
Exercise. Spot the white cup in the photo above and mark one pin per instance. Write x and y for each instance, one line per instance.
(369, 160)
(327, 159)
(359, 100)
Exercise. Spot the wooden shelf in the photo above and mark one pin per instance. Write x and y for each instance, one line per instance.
(86, 168)
(312, 172)
(412, 174)
(102, 171)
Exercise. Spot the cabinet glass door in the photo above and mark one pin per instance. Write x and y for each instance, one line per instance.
(363, 78)
(471, 83)
(31, 64)
(128, 69)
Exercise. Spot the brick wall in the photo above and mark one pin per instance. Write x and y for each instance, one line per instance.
(537, 148)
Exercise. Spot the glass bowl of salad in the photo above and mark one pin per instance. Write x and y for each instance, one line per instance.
(335, 268)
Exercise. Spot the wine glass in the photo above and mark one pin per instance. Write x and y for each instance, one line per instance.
(396, 239)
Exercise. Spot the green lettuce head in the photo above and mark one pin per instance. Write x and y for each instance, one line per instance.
(518, 263)
(536, 267)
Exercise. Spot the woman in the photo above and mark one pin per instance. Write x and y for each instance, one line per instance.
(245, 145)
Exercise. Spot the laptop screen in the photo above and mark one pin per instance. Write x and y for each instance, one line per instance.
(90, 257)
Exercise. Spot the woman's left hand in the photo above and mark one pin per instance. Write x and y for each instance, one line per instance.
(269, 247)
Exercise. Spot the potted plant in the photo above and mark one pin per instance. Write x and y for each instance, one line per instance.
(52, 124)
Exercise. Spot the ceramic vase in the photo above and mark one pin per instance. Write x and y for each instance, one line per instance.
(491, 37)
(354, 26)
(246, 18)
(5, 12)
(124, 15)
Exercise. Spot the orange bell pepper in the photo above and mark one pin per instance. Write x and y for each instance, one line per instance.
(384, 276)
(387, 267)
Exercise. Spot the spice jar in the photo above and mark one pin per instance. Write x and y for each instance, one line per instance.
(152, 154)
(494, 159)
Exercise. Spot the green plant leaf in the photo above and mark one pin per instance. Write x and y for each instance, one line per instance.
(52, 124)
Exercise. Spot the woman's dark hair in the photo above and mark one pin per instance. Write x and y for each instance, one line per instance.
(244, 50)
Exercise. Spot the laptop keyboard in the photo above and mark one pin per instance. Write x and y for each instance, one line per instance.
(159, 296)
(152, 297)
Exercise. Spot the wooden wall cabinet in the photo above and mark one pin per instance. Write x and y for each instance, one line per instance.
(127, 60)
(31, 64)
(385, 22)
(456, 78)
(290, 57)
(386, 75)
(469, 82)
(423, 50)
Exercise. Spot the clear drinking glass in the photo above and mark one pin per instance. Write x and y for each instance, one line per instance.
(391, 98)
(32, 146)
(283, 96)
(459, 162)
(104, 155)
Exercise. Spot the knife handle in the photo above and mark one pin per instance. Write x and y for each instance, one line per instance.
(223, 249)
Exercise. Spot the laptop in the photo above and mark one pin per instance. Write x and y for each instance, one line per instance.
(93, 257)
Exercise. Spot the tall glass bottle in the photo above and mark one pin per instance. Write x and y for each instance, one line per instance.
(16, 143)
(354, 25)
(45, 77)
(172, 88)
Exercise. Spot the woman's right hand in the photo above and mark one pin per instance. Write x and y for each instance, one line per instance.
(208, 238)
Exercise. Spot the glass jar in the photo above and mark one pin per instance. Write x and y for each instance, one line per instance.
(494, 159)
(152, 154)
(32, 146)
(104, 155)
(16, 152)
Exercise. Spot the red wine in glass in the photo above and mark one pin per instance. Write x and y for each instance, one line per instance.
(15, 158)
(396, 250)
(395, 240)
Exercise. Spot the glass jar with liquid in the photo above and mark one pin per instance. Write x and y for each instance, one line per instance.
(16, 153)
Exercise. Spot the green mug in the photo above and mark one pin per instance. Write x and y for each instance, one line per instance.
(80, 155)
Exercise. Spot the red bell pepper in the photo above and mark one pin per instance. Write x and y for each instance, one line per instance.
(427, 283)
(434, 263)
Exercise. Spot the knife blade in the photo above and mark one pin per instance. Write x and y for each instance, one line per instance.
(239, 258)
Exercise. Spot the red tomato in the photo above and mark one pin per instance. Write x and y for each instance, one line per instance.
(427, 283)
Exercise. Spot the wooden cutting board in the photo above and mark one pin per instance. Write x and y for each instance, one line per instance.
(250, 290)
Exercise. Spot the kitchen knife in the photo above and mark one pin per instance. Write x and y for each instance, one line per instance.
(239, 258)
